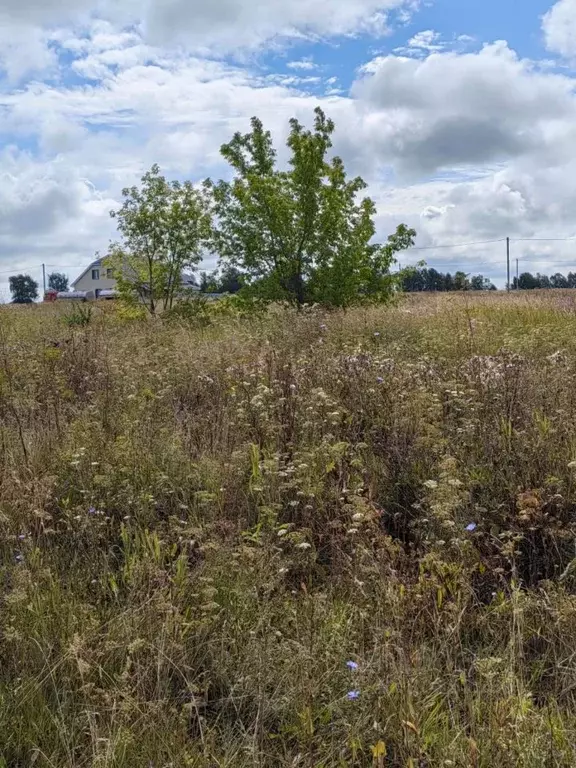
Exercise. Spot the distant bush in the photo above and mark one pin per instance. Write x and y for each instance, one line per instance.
(194, 311)
(79, 316)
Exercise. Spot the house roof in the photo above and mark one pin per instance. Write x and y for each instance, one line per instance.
(94, 265)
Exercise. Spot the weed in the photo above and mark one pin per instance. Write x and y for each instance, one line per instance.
(79, 316)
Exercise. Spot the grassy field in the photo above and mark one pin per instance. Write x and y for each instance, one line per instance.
(292, 540)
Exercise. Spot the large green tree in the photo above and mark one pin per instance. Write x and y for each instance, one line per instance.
(301, 234)
(58, 281)
(23, 288)
(164, 227)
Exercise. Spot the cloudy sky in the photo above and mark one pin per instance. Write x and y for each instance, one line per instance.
(461, 115)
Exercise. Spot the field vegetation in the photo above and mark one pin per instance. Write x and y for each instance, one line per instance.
(289, 538)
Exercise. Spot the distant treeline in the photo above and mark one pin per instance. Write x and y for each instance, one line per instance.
(429, 279)
(528, 281)
(229, 280)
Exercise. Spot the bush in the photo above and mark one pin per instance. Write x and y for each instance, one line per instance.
(79, 316)
(193, 311)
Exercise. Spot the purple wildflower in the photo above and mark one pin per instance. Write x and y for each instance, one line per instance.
(92, 511)
(22, 536)
(471, 527)
(380, 380)
(352, 665)
(19, 558)
(353, 695)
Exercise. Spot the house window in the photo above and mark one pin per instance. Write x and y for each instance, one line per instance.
(95, 274)
(110, 274)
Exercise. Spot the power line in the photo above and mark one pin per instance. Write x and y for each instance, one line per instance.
(39, 266)
(455, 245)
(440, 246)
(542, 239)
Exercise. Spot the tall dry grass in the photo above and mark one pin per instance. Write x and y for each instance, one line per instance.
(291, 540)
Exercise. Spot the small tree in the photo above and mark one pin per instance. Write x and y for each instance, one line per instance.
(477, 283)
(230, 280)
(164, 226)
(24, 289)
(481, 283)
(559, 281)
(461, 282)
(209, 282)
(57, 281)
(300, 235)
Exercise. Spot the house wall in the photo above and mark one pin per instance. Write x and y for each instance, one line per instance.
(86, 283)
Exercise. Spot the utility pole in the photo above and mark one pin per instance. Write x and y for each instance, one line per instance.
(517, 276)
(508, 263)
(44, 276)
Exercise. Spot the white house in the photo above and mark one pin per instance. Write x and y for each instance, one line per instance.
(99, 278)
(95, 278)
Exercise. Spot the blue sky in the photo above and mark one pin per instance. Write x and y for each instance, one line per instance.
(482, 20)
(460, 114)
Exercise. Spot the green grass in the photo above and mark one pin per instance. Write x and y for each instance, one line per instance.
(201, 524)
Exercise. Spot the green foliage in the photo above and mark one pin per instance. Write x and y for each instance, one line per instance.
(58, 281)
(130, 312)
(422, 278)
(79, 316)
(193, 311)
(481, 283)
(301, 235)
(23, 288)
(228, 280)
(528, 281)
(164, 227)
(240, 305)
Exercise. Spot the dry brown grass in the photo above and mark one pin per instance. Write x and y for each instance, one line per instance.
(200, 527)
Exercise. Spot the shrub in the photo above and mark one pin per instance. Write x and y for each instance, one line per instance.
(79, 316)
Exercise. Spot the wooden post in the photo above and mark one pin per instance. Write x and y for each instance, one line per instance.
(508, 263)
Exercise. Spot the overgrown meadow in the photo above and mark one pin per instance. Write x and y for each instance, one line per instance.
(289, 538)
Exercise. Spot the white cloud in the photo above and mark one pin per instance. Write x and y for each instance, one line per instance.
(427, 40)
(250, 22)
(223, 24)
(48, 214)
(559, 26)
(25, 51)
(452, 110)
(302, 64)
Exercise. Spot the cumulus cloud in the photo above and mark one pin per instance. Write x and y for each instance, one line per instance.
(462, 109)
(559, 26)
(49, 214)
(25, 51)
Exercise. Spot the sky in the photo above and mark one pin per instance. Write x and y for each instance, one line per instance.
(459, 114)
